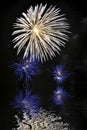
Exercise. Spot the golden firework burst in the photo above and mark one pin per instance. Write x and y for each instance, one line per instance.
(42, 31)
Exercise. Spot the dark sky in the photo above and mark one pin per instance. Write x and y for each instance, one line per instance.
(74, 56)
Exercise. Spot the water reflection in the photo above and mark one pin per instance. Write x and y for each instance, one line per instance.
(43, 120)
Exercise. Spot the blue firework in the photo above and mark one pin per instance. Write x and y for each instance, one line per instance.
(60, 96)
(60, 74)
(26, 102)
(26, 68)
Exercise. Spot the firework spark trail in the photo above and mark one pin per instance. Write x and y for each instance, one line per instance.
(26, 68)
(42, 31)
(60, 96)
(26, 102)
(42, 121)
(60, 74)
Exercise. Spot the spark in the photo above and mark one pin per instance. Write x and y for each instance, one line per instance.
(60, 96)
(26, 102)
(60, 74)
(26, 68)
(43, 120)
(42, 31)
(36, 30)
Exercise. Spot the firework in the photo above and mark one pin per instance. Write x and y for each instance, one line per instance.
(60, 96)
(26, 68)
(60, 74)
(42, 31)
(26, 102)
(42, 121)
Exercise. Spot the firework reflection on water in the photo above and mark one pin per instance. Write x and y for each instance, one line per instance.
(43, 120)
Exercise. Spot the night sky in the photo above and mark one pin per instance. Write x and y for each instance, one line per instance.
(73, 56)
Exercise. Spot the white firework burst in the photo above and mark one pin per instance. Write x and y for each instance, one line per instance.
(42, 121)
(42, 31)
